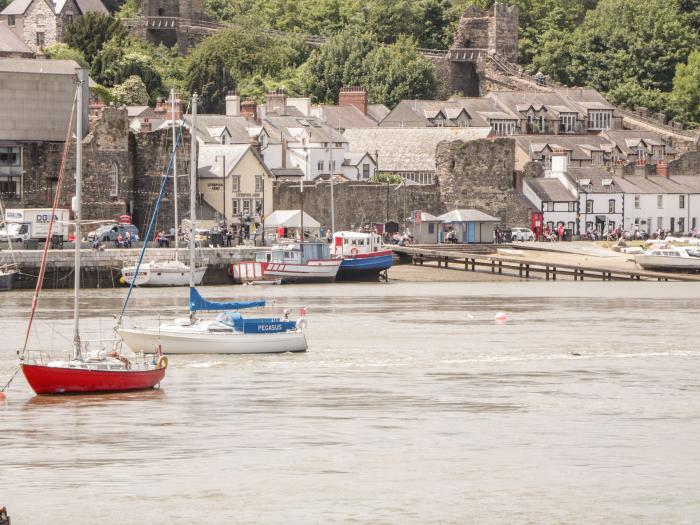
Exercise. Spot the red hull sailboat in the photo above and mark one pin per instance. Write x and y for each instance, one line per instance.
(104, 370)
(66, 379)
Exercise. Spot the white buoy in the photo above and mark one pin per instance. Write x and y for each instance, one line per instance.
(501, 317)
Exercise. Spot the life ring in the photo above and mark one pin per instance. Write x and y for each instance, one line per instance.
(353, 252)
(301, 324)
(163, 361)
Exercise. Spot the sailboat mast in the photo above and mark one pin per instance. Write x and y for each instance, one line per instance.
(77, 207)
(193, 187)
(177, 221)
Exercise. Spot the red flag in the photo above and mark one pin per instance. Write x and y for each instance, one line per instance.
(303, 310)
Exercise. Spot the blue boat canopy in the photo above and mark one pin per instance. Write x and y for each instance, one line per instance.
(198, 303)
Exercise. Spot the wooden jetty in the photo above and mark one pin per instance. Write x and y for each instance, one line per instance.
(481, 258)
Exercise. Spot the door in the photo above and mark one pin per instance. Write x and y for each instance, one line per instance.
(470, 232)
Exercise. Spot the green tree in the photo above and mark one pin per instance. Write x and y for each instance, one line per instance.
(685, 97)
(132, 92)
(61, 51)
(88, 33)
(639, 40)
(220, 62)
(336, 64)
(397, 72)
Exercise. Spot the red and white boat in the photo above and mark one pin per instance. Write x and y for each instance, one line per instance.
(292, 261)
(85, 372)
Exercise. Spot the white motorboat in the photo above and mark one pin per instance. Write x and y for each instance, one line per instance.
(669, 258)
(164, 273)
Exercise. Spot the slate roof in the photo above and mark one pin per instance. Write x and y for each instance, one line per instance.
(209, 167)
(594, 176)
(92, 6)
(408, 149)
(658, 185)
(550, 190)
(467, 216)
(520, 102)
(627, 140)
(353, 158)
(481, 109)
(344, 117)
(287, 172)
(19, 7)
(580, 146)
(16, 7)
(377, 112)
(30, 65)
(291, 127)
(11, 43)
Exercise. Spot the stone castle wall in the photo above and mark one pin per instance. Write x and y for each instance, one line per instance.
(480, 175)
(357, 203)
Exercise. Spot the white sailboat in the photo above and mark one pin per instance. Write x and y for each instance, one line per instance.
(167, 272)
(230, 332)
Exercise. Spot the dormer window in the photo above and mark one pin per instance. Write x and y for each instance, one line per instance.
(11, 20)
(600, 119)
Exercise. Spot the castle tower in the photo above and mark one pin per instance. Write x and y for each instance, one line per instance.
(164, 20)
(480, 34)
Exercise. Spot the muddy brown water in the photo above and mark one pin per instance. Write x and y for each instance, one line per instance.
(411, 406)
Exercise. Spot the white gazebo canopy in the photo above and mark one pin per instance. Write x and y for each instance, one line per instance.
(290, 219)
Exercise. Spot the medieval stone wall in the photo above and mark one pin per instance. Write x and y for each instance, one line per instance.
(687, 164)
(480, 175)
(357, 203)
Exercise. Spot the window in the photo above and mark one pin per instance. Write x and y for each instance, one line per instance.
(589, 226)
(589, 206)
(673, 224)
(641, 153)
(421, 177)
(659, 201)
(258, 207)
(681, 224)
(694, 222)
(611, 206)
(439, 123)
(549, 206)
(40, 20)
(547, 161)
(40, 39)
(636, 202)
(245, 205)
(550, 225)
(599, 119)
(597, 158)
(114, 188)
(259, 183)
(611, 225)
(568, 122)
(235, 207)
(11, 20)
(365, 171)
(69, 19)
(431, 227)
(332, 166)
(572, 206)
(319, 166)
(10, 187)
(503, 127)
(659, 223)
(236, 183)
(681, 201)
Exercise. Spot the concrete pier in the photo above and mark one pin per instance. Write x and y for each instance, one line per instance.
(102, 269)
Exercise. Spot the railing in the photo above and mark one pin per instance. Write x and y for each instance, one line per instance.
(466, 54)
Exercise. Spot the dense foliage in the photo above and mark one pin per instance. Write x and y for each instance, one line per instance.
(637, 52)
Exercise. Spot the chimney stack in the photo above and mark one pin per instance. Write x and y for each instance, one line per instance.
(178, 108)
(233, 104)
(353, 96)
(276, 103)
(249, 109)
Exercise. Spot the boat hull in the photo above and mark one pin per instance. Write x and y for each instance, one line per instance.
(676, 264)
(57, 380)
(7, 280)
(313, 271)
(163, 276)
(366, 264)
(182, 342)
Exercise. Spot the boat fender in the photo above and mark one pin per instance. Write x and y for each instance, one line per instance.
(301, 324)
(353, 252)
(163, 361)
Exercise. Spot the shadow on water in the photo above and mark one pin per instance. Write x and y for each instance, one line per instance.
(93, 400)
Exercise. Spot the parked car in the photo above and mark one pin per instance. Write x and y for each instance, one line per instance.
(110, 232)
(521, 234)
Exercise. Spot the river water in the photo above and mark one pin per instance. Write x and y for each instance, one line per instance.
(411, 406)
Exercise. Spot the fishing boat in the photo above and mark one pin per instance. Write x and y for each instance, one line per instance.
(362, 254)
(164, 272)
(105, 369)
(296, 261)
(230, 332)
(669, 258)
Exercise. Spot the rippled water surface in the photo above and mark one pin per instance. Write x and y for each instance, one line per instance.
(411, 406)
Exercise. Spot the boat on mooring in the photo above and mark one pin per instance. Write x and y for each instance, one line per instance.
(229, 332)
(362, 254)
(88, 370)
(670, 258)
(296, 261)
